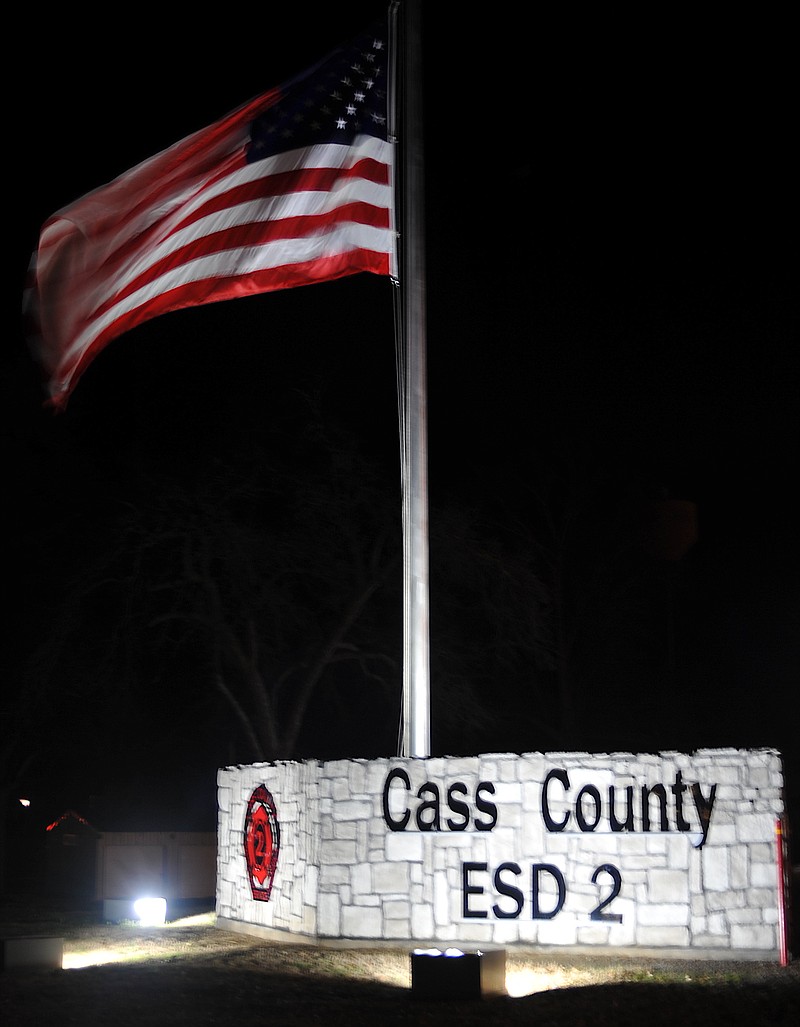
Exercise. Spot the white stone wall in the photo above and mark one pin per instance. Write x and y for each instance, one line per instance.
(293, 903)
(546, 869)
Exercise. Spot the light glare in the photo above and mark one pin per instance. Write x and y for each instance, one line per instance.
(151, 912)
(96, 957)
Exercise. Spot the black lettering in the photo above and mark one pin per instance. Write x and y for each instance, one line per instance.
(550, 824)
(616, 877)
(401, 824)
(468, 889)
(509, 890)
(594, 794)
(434, 824)
(704, 808)
(537, 869)
(457, 806)
(661, 793)
(488, 808)
(677, 790)
(620, 825)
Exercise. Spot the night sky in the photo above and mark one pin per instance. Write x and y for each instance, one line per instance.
(611, 268)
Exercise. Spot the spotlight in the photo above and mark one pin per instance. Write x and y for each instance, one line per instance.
(454, 974)
(150, 912)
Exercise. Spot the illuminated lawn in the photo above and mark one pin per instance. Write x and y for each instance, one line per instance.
(189, 971)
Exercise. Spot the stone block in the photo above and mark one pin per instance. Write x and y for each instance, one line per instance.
(397, 909)
(362, 922)
(329, 915)
(32, 952)
(422, 922)
(666, 937)
(667, 886)
(753, 936)
(400, 845)
(390, 878)
(715, 869)
(664, 915)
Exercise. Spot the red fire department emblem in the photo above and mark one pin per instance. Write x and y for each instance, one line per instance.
(262, 839)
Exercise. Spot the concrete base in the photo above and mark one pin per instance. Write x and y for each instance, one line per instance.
(437, 976)
(32, 952)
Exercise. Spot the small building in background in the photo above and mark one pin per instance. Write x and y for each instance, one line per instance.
(84, 866)
(70, 859)
(179, 866)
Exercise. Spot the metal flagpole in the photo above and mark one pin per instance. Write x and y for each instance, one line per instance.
(416, 665)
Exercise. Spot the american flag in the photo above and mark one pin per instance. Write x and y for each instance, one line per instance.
(292, 188)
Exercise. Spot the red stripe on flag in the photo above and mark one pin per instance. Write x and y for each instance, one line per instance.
(199, 224)
(248, 236)
(284, 183)
(207, 290)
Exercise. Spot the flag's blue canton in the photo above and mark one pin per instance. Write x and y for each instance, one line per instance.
(341, 97)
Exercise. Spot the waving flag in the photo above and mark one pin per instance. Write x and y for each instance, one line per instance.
(292, 188)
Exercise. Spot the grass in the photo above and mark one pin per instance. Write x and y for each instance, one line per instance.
(191, 972)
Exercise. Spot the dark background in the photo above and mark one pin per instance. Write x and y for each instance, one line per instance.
(611, 241)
